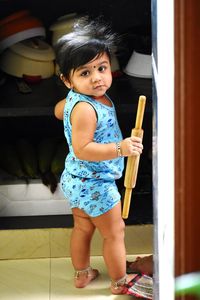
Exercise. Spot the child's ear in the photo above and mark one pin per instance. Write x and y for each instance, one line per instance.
(68, 84)
(66, 81)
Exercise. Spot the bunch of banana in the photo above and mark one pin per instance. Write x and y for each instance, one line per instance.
(58, 162)
(23, 160)
(10, 162)
(28, 157)
(45, 152)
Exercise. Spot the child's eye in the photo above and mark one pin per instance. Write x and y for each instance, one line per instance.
(85, 73)
(102, 68)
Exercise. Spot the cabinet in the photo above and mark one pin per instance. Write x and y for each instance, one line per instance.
(31, 114)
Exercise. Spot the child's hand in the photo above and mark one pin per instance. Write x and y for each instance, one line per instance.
(131, 146)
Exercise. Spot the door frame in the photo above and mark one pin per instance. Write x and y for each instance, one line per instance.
(176, 142)
(187, 138)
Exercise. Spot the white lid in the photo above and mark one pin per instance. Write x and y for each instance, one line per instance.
(139, 65)
(35, 49)
(66, 21)
(20, 36)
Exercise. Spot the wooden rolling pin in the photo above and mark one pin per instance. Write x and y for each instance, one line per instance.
(133, 161)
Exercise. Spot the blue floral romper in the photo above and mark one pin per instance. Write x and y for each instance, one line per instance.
(91, 185)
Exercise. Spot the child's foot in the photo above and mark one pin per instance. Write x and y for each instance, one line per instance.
(119, 287)
(83, 277)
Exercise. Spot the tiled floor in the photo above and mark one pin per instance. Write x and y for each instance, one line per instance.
(51, 279)
(55, 242)
(35, 264)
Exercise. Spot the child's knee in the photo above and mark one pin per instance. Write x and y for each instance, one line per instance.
(116, 231)
(86, 230)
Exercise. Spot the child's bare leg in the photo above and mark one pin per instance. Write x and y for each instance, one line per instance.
(111, 227)
(80, 248)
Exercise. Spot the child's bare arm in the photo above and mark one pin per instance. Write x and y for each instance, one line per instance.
(59, 109)
(83, 121)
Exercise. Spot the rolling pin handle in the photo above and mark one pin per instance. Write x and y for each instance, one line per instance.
(126, 206)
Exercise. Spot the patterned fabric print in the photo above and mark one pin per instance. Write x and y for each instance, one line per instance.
(141, 286)
(107, 131)
(95, 197)
(91, 185)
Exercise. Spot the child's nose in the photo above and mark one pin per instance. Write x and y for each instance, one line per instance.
(96, 77)
(96, 80)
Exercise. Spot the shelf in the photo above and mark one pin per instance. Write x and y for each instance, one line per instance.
(26, 111)
(31, 199)
(40, 101)
(124, 92)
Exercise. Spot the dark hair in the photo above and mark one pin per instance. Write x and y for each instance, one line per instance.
(87, 40)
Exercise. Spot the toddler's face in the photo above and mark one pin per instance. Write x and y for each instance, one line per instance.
(92, 79)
